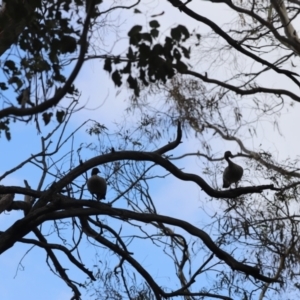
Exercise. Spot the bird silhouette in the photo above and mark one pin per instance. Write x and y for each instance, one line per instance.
(232, 173)
(97, 185)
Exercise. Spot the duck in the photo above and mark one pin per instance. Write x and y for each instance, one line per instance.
(232, 173)
(97, 185)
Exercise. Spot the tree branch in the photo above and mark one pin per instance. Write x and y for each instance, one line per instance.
(243, 92)
(124, 254)
(67, 252)
(231, 41)
(102, 209)
(253, 154)
(61, 271)
(173, 144)
(14, 111)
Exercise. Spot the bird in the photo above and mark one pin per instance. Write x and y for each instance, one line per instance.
(5, 201)
(232, 173)
(97, 185)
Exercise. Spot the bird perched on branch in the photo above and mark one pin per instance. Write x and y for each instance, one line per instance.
(5, 201)
(97, 185)
(232, 173)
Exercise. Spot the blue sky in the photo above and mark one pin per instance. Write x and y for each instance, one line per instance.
(172, 197)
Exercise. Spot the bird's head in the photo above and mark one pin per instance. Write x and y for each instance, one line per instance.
(95, 171)
(227, 154)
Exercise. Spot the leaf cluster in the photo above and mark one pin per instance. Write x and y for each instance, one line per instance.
(148, 60)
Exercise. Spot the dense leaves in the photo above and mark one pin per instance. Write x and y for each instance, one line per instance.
(41, 50)
(153, 61)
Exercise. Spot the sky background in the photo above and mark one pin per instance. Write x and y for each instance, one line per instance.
(30, 278)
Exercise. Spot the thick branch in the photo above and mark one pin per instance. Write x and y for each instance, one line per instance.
(22, 227)
(19, 190)
(166, 164)
(230, 40)
(61, 92)
(288, 42)
(127, 256)
(102, 209)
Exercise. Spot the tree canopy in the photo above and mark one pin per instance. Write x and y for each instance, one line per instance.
(199, 78)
